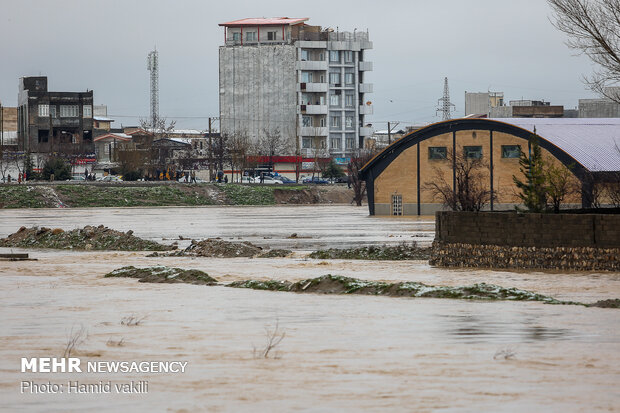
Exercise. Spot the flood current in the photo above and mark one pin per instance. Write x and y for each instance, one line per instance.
(338, 353)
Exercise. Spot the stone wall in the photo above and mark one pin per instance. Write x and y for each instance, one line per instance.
(511, 240)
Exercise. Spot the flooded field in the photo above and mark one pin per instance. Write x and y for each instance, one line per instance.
(339, 353)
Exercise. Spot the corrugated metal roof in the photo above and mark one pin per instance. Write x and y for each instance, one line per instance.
(264, 21)
(593, 142)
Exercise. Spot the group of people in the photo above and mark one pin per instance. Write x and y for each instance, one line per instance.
(21, 177)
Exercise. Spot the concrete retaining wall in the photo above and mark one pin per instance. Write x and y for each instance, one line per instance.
(510, 240)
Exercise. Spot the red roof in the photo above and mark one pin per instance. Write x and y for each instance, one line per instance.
(262, 21)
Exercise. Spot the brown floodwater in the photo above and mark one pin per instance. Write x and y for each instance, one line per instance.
(339, 353)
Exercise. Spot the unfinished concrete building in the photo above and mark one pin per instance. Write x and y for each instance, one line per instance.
(60, 122)
(481, 103)
(601, 108)
(305, 83)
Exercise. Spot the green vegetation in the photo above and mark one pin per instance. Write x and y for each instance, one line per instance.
(21, 196)
(253, 194)
(333, 171)
(336, 284)
(80, 196)
(160, 274)
(399, 252)
(57, 167)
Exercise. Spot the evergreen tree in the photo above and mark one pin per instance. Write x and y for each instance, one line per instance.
(333, 171)
(533, 188)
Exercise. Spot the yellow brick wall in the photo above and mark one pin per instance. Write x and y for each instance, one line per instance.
(400, 177)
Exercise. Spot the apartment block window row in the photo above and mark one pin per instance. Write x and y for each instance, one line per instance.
(349, 78)
(348, 56)
(348, 122)
(350, 141)
(334, 78)
(334, 56)
(334, 100)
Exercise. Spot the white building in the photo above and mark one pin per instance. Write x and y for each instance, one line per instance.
(308, 84)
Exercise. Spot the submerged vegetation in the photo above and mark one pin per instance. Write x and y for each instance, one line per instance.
(160, 274)
(398, 252)
(87, 238)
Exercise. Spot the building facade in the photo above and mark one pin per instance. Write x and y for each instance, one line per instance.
(282, 76)
(399, 179)
(53, 121)
(481, 103)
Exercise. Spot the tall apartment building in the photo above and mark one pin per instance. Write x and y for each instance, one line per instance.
(308, 84)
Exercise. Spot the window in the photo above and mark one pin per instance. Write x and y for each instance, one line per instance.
(69, 111)
(271, 35)
(322, 122)
(250, 36)
(53, 111)
(472, 152)
(306, 143)
(335, 143)
(334, 100)
(511, 151)
(348, 56)
(350, 141)
(349, 78)
(87, 111)
(44, 110)
(306, 77)
(437, 152)
(334, 56)
(348, 122)
(334, 78)
(307, 121)
(348, 100)
(236, 36)
(304, 54)
(397, 204)
(335, 122)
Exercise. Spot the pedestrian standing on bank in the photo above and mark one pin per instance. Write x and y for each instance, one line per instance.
(9, 178)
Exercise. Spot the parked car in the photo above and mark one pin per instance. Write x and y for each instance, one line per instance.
(110, 178)
(285, 180)
(268, 180)
(77, 178)
(315, 180)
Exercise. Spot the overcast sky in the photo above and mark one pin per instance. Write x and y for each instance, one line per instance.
(480, 45)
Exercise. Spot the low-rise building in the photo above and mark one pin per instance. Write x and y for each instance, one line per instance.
(54, 122)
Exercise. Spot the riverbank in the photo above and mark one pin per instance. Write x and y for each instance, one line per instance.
(146, 194)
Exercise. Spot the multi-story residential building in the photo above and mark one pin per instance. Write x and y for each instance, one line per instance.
(481, 103)
(280, 75)
(53, 121)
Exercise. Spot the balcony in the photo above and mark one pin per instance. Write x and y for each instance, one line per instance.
(365, 66)
(365, 87)
(365, 131)
(314, 109)
(312, 65)
(313, 87)
(366, 110)
(313, 131)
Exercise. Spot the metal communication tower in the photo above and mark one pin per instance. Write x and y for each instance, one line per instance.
(152, 65)
(445, 106)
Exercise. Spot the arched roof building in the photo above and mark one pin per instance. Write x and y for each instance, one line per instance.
(396, 177)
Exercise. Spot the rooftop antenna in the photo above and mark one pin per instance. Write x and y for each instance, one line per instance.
(445, 106)
(152, 65)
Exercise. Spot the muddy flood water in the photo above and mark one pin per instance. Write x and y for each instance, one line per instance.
(338, 353)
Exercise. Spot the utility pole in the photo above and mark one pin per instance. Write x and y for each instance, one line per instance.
(210, 153)
(390, 131)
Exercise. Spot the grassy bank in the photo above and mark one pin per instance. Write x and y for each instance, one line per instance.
(145, 195)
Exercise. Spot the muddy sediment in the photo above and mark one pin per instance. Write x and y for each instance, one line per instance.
(392, 253)
(160, 274)
(218, 248)
(87, 238)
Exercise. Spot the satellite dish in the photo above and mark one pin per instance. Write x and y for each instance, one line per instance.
(368, 103)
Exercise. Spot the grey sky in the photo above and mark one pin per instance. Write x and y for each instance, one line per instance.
(480, 45)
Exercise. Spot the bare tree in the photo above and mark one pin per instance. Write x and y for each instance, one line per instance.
(160, 128)
(238, 147)
(593, 28)
(271, 144)
(274, 338)
(358, 159)
(471, 192)
(560, 184)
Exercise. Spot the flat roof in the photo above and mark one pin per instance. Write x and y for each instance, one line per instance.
(265, 21)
